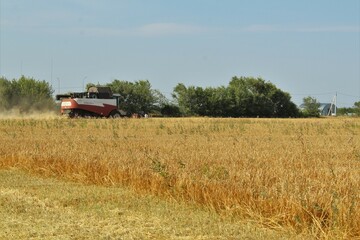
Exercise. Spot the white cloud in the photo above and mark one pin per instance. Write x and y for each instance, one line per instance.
(148, 30)
(263, 28)
(160, 29)
(279, 28)
(330, 29)
(156, 29)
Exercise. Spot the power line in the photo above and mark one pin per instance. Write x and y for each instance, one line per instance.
(312, 94)
(346, 94)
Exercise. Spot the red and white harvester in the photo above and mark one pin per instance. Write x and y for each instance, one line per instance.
(96, 102)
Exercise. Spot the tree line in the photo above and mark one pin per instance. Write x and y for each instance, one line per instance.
(242, 97)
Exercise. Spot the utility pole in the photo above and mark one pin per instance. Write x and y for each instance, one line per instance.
(335, 103)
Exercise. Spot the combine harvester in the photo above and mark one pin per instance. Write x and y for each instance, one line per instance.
(96, 102)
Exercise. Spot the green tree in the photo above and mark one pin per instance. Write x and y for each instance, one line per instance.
(26, 94)
(253, 97)
(170, 110)
(193, 101)
(138, 96)
(5, 94)
(283, 106)
(218, 102)
(243, 97)
(357, 108)
(183, 97)
(311, 107)
(345, 111)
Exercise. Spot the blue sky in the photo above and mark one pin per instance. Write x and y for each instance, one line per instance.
(306, 48)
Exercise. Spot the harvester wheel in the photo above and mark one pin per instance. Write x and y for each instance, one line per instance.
(115, 114)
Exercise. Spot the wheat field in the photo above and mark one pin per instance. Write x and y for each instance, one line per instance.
(299, 174)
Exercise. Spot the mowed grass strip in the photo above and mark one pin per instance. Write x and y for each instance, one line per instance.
(300, 174)
(38, 208)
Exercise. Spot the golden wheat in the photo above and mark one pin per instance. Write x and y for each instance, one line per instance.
(297, 173)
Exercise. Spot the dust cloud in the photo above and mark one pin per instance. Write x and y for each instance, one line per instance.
(33, 114)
